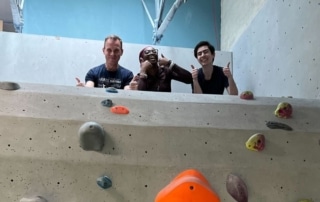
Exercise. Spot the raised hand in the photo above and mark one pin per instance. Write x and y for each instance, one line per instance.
(163, 61)
(133, 85)
(145, 65)
(79, 83)
(194, 73)
(226, 71)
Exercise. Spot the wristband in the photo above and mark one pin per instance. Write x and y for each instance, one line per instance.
(171, 64)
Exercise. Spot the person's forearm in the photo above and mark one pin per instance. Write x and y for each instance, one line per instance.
(142, 84)
(196, 87)
(233, 90)
(181, 74)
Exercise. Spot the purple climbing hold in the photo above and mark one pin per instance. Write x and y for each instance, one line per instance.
(237, 188)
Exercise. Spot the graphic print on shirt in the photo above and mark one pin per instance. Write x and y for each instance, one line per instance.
(109, 82)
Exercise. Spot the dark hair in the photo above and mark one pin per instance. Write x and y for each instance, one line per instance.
(203, 43)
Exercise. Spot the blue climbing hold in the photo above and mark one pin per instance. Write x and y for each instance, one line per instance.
(111, 90)
(107, 103)
(104, 182)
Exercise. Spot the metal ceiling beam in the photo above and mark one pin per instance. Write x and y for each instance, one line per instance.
(159, 25)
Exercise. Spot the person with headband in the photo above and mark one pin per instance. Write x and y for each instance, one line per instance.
(156, 72)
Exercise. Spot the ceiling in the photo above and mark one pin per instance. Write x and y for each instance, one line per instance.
(6, 16)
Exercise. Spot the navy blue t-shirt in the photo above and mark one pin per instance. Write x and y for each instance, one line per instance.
(103, 78)
(216, 84)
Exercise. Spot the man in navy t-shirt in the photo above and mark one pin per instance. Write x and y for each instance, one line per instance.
(110, 74)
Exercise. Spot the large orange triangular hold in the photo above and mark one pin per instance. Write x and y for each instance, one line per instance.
(188, 186)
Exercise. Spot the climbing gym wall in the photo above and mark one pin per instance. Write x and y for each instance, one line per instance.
(65, 143)
(277, 54)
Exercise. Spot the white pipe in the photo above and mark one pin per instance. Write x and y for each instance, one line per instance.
(16, 16)
(158, 35)
(147, 11)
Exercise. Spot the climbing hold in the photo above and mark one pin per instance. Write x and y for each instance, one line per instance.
(111, 90)
(107, 103)
(190, 185)
(119, 110)
(277, 125)
(104, 182)
(246, 95)
(91, 136)
(256, 142)
(283, 110)
(34, 199)
(9, 86)
(237, 188)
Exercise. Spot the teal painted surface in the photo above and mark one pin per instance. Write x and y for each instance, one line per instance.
(193, 21)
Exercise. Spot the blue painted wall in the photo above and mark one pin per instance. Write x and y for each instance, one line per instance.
(194, 21)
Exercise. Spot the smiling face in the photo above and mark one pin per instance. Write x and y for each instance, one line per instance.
(151, 54)
(113, 51)
(204, 56)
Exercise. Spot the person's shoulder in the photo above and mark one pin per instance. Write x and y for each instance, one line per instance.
(97, 68)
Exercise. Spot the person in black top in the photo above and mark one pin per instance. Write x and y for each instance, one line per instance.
(109, 74)
(211, 79)
(156, 73)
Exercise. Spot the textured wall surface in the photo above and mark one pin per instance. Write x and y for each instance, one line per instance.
(55, 60)
(279, 52)
(236, 16)
(162, 135)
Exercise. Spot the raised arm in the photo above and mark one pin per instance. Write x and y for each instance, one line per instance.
(196, 86)
(232, 89)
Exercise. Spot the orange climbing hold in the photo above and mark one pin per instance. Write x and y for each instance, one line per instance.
(119, 109)
(188, 186)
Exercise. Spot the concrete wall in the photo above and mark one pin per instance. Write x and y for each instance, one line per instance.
(164, 134)
(236, 16)
(278, 52)
(55, 60)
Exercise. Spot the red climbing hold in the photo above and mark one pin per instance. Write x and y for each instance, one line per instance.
(119, 109)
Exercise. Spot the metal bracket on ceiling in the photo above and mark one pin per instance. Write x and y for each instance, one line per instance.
(17, 14)
(159, 25)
